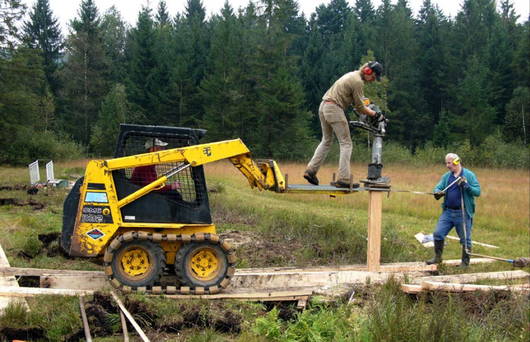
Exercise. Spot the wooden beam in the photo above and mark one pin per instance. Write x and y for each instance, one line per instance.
(85, 282)
(14, 291)
(129, 317)
(8, 281)
(375, 209)
(411, 288)
(279, 295)
(448, 287)
(124, 327)
(22, 271)
(473, 277)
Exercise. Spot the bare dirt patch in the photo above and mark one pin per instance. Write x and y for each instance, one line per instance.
(261, 250)
(19, 203)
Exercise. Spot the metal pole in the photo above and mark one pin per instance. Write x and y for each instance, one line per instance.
(88, 337)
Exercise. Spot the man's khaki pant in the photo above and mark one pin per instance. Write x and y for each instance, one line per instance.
(333, 120)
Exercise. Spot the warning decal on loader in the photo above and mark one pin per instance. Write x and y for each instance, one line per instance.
(95, 234)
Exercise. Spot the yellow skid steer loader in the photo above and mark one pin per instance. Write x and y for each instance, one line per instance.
(146, 211)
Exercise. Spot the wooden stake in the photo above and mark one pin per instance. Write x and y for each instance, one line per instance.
(375, 208)
(129, 317)
(124, 327)
(88, 337)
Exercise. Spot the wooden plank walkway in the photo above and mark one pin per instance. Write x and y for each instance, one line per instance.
(8, 281)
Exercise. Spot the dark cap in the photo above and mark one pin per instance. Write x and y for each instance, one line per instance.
(377, 68)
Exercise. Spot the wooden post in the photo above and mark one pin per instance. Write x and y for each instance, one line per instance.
(124, 327)
(375, 208)
(129, 317)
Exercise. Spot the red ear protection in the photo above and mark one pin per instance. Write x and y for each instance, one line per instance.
(367, 71)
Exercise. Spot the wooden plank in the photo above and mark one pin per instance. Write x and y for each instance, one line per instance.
(9, 281)
(85, 282)
(375, 209)
(388, 267)
(473, 277)
(451, 287)
(266, 279)
(129, 317)
(21, 271)
(289, 295)
(124, 327)
(13, 291)
(411, 288)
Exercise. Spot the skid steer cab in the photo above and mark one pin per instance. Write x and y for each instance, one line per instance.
(146, 211)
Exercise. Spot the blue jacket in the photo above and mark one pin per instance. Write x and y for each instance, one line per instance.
(471, 190)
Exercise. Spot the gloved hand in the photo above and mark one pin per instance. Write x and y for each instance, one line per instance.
(463, 183)
(438, 195)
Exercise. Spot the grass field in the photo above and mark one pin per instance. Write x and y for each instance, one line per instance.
(300, 229)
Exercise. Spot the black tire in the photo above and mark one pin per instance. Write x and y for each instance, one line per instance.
(138, 274)
(186, 266)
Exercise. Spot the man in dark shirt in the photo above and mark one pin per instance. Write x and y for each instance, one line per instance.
(459, 194)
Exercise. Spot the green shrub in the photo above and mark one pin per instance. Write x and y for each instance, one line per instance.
(32, 246)
(26, 146)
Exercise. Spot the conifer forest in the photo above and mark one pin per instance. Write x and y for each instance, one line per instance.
(259, 72)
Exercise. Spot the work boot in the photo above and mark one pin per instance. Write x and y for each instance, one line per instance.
(465, 257)
(311, 177)
(341, 184)
(438, 251)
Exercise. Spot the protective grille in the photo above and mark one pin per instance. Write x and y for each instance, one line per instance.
(181, 187)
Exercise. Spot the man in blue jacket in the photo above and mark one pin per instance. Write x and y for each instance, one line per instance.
(461, 193)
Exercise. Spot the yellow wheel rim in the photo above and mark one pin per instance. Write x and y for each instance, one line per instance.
(204, 264)
(135, 262)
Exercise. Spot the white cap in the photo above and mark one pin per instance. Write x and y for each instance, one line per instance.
(154, 142)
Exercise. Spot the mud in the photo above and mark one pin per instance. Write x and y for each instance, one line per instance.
(47, 239)
(19, 203)
(23, 334)
(186, 315)
(14, 187)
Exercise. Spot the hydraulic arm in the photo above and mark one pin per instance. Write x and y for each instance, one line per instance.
(262, 174)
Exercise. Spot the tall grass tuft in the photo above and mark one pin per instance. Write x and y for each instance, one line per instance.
(394, 316)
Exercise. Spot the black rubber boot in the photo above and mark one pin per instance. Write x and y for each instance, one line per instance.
(438, 251)
(465, 257)
(311, 177)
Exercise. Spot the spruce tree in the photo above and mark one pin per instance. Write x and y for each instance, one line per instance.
(141, 65)
(114, 33)
(280, 104)
(162, 15)
(434, 78)
(114, 111)
(84, 75)
(220, 89)
(11, 11)
(476, 116)
(193, 38)
(42, 32)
